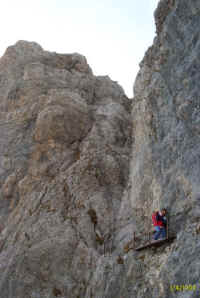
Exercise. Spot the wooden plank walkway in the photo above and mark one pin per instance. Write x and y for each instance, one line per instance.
(156, 243)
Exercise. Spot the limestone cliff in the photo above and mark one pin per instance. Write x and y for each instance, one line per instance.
(80, 173)
(64, 163)
(165, 165)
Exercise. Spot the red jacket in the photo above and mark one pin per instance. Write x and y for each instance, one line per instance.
(157, 219)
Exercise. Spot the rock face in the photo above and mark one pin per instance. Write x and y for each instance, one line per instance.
(74, 188)
(64, 163)
(165, 165)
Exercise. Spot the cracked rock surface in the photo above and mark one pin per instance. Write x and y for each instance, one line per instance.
(83, 167)
(64, 163)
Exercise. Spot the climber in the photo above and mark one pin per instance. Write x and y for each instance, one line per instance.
(160, 224)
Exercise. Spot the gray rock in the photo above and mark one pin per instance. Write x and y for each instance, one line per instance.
(165, 165)
(65, 147)
(80, 174)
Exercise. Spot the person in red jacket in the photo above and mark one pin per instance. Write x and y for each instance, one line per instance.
(160, 223)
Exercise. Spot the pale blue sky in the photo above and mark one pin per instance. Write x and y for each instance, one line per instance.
(112, 34)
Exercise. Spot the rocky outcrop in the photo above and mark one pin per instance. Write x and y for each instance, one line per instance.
(73, 187)
(65, 147)
(165, 167)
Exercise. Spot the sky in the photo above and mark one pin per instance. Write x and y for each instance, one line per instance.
(112, 34)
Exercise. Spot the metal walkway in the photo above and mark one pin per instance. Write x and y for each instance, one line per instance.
(156, 243)
(145, 240)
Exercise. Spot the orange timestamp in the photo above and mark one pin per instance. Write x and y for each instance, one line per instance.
(183, 287)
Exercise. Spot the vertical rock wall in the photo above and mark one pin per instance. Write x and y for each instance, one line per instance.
(165, 165)
(64, 163)
(74, 189)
